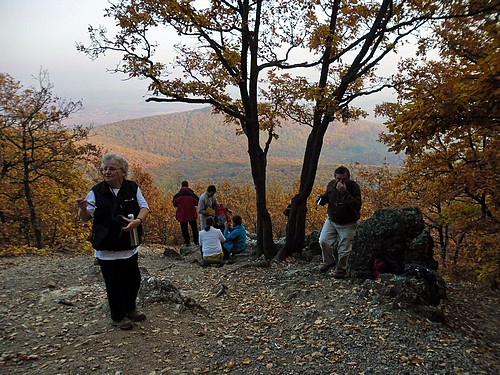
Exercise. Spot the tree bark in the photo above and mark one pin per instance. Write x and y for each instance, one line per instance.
(324, 112)
(258, 163)
(31, 208)
(295, 231)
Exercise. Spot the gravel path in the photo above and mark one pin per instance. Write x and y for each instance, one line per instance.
(285, 319)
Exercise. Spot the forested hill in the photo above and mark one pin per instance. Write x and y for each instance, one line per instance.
(188, 142)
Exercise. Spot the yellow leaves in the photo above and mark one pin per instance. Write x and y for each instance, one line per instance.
(411, 360)
(17, 250)
(318, 36)
(39, 188)
(443, 121)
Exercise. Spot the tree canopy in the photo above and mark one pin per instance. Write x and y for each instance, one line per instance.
(39, 158)
(262, 61)
(446, 121)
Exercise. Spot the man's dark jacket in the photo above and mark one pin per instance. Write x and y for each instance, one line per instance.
(343, 208)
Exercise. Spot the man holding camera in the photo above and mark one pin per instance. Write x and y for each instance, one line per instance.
(207, 205)
(343, 196)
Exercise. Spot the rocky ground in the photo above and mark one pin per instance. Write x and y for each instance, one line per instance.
(283, 319)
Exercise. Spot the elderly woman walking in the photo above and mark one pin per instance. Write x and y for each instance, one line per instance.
(118, 210)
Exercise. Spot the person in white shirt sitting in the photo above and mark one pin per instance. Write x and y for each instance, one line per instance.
(211, 240)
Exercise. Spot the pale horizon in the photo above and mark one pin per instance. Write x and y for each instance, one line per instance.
(39, 35)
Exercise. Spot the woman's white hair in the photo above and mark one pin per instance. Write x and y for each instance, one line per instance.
(118, 158)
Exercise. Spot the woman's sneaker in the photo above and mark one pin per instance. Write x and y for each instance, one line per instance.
(124, 324)
(136, 315)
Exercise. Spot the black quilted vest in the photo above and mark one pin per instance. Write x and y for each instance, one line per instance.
(107, 231)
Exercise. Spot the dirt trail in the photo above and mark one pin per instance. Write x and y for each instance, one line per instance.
(285, 319)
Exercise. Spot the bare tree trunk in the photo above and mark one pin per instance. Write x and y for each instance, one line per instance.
(295, 234)
(34, 222)
(258, 162)
(443, 245)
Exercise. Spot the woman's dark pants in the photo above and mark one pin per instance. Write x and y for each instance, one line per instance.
(123, 279)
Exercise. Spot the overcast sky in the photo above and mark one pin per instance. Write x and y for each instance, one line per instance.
(43, 33)
(38, 34)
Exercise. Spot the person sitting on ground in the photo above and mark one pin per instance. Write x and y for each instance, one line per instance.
(210, 243)
(236, 237)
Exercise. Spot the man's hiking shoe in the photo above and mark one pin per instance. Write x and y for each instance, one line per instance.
(325, 268)
(136, 316)
(340, 276)
(124, 324)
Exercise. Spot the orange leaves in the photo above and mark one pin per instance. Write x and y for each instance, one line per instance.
(445, 122)
(40, 176)
(160, 227)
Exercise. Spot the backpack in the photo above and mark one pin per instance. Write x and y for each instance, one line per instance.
(222, 215)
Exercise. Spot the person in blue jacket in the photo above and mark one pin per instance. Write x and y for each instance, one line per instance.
(236, 237)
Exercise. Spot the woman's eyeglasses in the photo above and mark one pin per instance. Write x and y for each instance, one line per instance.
(109, 169)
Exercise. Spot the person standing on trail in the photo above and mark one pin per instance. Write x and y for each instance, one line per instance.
(343, 197)
(207, 205)
(118, 210)
(186, 202)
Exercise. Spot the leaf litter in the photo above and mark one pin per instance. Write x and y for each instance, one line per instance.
(282, 319)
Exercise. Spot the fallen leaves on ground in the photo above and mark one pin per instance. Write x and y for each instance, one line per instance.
(284, 319)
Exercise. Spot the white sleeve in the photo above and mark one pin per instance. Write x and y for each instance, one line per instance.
(141, 200)
(221, 236)
(90, 198)
(201, 204)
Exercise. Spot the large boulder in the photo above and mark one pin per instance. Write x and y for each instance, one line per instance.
(311, 246)
(390, 239)
(417, 286)
(163, 290)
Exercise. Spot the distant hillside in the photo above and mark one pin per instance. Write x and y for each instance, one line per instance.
(197, 145)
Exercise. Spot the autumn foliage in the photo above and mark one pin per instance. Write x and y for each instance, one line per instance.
(450, 175)
(261, 63)
(162, 227)
(446, 121)
(40, 176)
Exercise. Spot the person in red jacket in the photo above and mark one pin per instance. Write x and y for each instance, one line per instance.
(186, 202)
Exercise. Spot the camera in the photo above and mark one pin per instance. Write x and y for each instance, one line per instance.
(319, 200)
